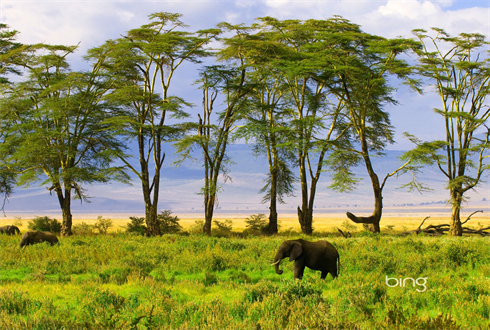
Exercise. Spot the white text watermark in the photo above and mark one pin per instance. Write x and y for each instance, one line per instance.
(403, 282)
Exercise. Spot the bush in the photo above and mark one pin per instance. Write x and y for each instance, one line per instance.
(257, 292)
(223, 228)
(45, 224)
(168, 224)
(136, 225)
(256, 223)
(197, 227)
(102, 225)
(83, 229)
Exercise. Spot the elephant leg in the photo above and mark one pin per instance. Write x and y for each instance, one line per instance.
(324, 274)
(333, 270)
(299, 268)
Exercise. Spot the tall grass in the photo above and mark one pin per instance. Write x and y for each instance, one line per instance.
(127, 281)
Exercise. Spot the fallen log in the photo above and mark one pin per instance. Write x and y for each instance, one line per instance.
(439, 230)
(345, 235)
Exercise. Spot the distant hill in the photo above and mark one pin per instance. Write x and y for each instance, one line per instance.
(180, 186)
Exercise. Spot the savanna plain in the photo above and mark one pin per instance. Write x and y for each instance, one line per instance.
(121, 280)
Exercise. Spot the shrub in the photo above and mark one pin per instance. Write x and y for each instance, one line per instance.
(136, 225)
(83, 229)
(223, 228)
(116, 275)
(14, 302)
(300, 289)
(257, 292)
(102, 225)
(197, 227)
(240, 277)
(45, 224)
(210, 279)
(348, 226)
(256, 223)
(168, 224)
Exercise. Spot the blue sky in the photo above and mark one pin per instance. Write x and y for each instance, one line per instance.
(90, 23)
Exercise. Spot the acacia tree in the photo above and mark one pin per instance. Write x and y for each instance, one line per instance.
(315, 122)
(212, 132)
(461, 76)
(359, 80)
(143, 62)
(55, 127)
(7, 67)
(266, 121)
(267, 124)
(213, 137)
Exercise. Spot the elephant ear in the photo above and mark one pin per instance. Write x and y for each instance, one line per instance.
(296, 251)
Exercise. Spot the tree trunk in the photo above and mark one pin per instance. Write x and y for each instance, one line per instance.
(153, 227)
(272, 228)
(306, 220)
(65, 203)
(151, 206)
(273, 165)
(208, 213)
(305, 213)
(456, 199)
(373, 220)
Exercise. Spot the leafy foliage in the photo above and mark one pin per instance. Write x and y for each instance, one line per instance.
(55, 129)
(142, 64)
(45, 224)
(223, 228)
(83, 229)
(136, 225)
(256, 223)
(102, 224)
(168, 224)
(461, 78)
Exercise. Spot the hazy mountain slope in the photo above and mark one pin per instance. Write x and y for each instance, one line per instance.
(240, 194)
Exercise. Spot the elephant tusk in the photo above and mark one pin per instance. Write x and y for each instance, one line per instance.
(275, 263)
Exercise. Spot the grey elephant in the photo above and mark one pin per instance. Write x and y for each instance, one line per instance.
(320, 255)
(34, 237)
(9, 230)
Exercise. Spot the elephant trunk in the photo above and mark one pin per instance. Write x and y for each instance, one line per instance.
(277, 261)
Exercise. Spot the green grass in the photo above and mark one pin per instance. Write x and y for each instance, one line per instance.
(194, 282)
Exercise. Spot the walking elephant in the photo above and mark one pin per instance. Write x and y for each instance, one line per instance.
(9, 230)
(320, 255)
(34, 237)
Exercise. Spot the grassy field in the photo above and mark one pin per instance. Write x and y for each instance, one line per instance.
(123, 281)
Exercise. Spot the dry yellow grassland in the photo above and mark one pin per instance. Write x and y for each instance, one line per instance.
(320, 223)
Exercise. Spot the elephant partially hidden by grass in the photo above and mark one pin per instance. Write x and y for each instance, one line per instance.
(34, 237)
(320, 255)
(9, 230)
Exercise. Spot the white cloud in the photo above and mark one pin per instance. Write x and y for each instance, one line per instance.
(125, 16)
(409, 9)
(390, 18)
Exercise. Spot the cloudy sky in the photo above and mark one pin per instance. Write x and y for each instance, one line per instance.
(90, 23)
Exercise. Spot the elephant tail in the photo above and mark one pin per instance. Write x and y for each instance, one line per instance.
(338, 265)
